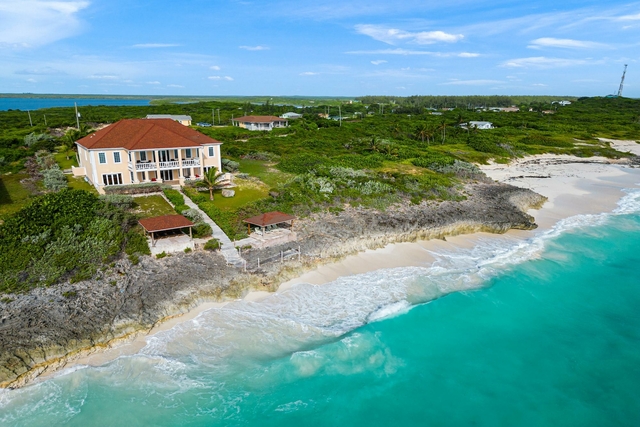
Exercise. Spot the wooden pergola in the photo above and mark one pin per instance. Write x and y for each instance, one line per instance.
(269, 218)
(165, 223)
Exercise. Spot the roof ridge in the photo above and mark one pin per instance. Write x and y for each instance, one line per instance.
(141, 136)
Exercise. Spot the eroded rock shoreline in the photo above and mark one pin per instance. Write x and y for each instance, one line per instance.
(43, 330)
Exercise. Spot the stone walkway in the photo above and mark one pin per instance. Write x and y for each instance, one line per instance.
(227, 249)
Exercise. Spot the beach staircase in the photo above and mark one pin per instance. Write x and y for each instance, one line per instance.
(227, 248)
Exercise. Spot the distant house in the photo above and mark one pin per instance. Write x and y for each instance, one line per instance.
(260, 122)
(564, 103)
(477, 125)
(133, 151)
(185, 120)
(291, 116)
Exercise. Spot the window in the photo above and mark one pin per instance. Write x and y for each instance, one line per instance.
(102, 158)
(211, 152)
(131, 176)
(112, 179)
(129, 153)
(197, 152)
(143, 156)
(187, 153)
(116, 157)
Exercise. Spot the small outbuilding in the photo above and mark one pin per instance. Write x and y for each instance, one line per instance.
(165, 223)
(269, 219)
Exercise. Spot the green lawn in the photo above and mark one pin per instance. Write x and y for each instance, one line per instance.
(242, 197)
(13, 195)
(150, 206)
(78, 183)
(264, 171)
(61, 159)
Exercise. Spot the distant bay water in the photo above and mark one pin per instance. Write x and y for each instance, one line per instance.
(25, 104)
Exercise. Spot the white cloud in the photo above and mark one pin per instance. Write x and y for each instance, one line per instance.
(41, 71)
(472, 82)
(215, 68)
(309, 73)
(154, 45)
(155, 82)
(393, 35)
(542, 62)
(378, 62)
(32, 80)
(564, 43)
(103, 77)
(635, 17)
(254, 47)
(177, 86)
(539, 85)
(228, 78)
(31, 23)
(397, 51)
(468, 55)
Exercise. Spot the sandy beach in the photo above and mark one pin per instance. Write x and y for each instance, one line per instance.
(573, 186)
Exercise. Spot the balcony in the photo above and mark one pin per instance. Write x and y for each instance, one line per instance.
(190, 162)
(170, 165)
(145, 166)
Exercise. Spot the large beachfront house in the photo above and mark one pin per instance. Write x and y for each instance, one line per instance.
(260, 122)
(134, 151)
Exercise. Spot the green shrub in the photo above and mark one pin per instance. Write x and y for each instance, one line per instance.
(303, 163)
(136, 243)
(230, 165)
(54, 179)
(122, 201)
(134, 259)
(161, 255)
(187, 250)
(212, 245)
(145, 188)
(174, 196)
(201, 229)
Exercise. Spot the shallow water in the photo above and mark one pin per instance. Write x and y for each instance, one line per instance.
(542, 332)
(25, 104)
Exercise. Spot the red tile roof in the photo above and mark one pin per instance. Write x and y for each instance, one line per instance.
(269, 218)
(167, 222)
(259, 119)
(143, 134)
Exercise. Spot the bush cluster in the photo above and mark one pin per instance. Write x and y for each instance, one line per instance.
(63, 235)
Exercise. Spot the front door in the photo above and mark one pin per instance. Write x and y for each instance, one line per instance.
(166, 175)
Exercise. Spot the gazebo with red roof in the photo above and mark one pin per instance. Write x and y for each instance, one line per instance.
(269, 218)
(165, 223)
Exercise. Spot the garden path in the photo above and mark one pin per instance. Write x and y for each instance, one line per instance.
(227, 248)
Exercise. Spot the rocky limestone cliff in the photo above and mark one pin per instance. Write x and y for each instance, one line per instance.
(44, 329)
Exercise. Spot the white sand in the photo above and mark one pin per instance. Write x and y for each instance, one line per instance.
(573, 185)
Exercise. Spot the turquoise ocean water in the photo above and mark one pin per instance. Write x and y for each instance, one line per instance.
(542, 332)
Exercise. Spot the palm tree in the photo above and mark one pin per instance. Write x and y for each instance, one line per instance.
(423, 132)
(443, 126)
(211, 179)
(69, 140)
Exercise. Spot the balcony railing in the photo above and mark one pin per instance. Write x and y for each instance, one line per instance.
(170, 165)
(191, 162)
(145, 166)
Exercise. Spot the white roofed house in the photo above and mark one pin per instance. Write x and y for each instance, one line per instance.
(477, 125)
(291, 115)
(182, 119)
(134, 151)
(260, 122)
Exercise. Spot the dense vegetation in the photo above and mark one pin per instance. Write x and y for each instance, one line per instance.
(384, 150)
(67, 234)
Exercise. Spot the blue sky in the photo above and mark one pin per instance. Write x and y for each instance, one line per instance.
(322, 48)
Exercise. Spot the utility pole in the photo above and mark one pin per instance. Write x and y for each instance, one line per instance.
(340, 114)
(213, 115)
(30, 122)
(77, 115)
(45, 119)
(219, 122)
